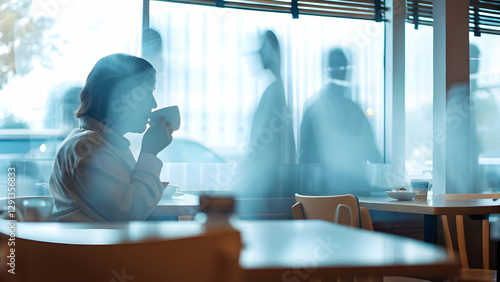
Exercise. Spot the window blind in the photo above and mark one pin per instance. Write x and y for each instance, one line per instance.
(484, 15)
(355, 9)
(419, 12)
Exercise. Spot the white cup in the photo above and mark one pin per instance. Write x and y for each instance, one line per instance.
(421, 187)
(169, 189)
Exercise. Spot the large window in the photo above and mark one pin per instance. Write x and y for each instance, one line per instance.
(485, 101)
(418, 99)
(47, 48)
(211, 69)
(208, 65)
(55, 46)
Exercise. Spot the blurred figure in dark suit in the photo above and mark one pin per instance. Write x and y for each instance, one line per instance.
(336, 133)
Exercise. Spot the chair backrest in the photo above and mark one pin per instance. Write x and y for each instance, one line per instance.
(210, 257)
(460, 228)
(342, 209)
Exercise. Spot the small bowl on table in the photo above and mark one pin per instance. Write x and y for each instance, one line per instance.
(401, 195)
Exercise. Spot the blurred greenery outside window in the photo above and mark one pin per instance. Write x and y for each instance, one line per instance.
(47, 48)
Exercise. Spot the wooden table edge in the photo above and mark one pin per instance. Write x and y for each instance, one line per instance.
(421, 209)
(439, 270)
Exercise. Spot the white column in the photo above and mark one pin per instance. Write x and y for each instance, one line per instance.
(451, 69)
(395, 92)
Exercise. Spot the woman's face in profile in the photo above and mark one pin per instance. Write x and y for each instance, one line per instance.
(132, 103)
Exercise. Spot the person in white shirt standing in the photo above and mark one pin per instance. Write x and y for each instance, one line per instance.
(95, 176)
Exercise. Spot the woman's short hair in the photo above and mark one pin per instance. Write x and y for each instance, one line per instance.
(102, 80)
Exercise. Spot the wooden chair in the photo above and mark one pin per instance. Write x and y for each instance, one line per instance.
(211, 257)
(466, 273)
(342, 209)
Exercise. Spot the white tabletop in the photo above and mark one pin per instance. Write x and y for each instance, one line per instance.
(434, 207)
(177, 205)
(272, 249)
(326, 249)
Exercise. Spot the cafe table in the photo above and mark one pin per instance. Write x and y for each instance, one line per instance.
(180, 204)
(278, 250)
(431, 209)
(495, 236)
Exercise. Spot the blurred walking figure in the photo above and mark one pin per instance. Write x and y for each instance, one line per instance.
(61, 107)
(336, 133)
(272, 142)
(472, 124)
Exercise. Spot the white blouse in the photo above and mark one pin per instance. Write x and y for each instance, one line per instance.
(96, 178)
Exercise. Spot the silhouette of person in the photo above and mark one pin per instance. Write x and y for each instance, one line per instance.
(472, 124)
(483, 106)
(61, 108)
(474, 55)
(271, 136)
(335, 133)
(484, 121)
(461, 154)
(152, 48)
(95, 177)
